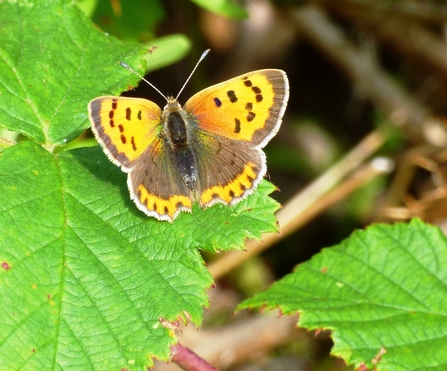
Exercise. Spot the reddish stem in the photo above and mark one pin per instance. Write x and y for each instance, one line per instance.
(188, 360)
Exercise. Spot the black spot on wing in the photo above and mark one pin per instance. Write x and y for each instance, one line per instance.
(258, 93)
(247, 82)
(237, 126)
(112, 113)
(232, 96)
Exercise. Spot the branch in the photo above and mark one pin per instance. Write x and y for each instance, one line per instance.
(188, 360)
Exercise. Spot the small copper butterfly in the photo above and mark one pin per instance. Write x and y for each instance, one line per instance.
(209, 151)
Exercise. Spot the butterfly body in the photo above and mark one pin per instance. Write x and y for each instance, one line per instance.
(178, 135)
(208, 151)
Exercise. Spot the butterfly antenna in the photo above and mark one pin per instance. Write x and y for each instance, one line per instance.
(142, 78)
(190, 75)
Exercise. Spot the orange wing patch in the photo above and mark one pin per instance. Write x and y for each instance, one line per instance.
(124, 126)
(244, 108)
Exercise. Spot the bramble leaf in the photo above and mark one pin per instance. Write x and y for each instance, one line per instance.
(382, 292)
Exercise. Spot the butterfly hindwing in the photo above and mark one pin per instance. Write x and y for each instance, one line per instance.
(156, 187)
(229, 170)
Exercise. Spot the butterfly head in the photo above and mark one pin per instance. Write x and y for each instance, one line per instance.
(172, 104)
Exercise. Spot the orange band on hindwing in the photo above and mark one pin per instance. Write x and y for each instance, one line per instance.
(234, 189)
(169, 207)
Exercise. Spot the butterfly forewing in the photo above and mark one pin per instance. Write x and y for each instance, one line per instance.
(124, 127)
(247, 108)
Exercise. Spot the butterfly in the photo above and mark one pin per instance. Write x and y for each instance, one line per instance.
(208, 151)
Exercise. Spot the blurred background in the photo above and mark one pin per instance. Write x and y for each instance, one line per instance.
(363, 138)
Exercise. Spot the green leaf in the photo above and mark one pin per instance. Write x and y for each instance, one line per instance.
(168, 49)
(225, 8)
(382, 292)
(87, 6)
(86, 283)
(124, 19)
(86, 276)
(51, 59)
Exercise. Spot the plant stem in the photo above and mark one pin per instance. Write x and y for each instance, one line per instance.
(188, 360)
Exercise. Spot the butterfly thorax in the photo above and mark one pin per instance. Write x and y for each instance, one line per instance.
(176, 136)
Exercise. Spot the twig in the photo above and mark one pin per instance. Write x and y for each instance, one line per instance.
(188, 360)
(242, 341)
